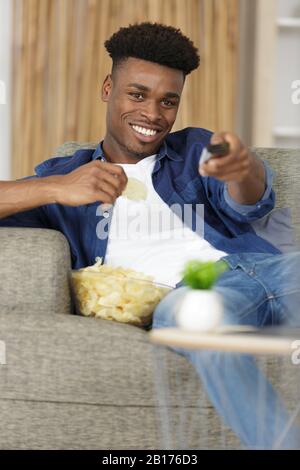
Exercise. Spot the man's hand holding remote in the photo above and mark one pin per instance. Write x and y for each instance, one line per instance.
(240, 168)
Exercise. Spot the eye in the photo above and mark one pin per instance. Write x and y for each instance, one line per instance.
(169, 103)
(135, 95)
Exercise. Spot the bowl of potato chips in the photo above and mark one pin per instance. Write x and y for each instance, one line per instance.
(117, 294)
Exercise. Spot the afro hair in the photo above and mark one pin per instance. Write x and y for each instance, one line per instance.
(154, 42)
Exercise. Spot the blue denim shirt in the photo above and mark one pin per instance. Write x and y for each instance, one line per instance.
(227, 224)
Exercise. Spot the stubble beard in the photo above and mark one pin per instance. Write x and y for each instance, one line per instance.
(131, 152)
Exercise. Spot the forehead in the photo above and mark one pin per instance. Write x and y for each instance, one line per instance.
(151, 75)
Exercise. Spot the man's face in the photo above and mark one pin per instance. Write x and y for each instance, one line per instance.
(141, 95)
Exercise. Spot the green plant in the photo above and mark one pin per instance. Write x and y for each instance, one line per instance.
(202, 275)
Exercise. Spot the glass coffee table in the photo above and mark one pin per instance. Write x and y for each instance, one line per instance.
(277, 352)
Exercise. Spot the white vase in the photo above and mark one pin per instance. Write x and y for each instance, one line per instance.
(200, 310)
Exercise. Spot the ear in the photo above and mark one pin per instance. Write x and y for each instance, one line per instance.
(106, 88)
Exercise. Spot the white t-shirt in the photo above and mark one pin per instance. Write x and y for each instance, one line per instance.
(147, 236)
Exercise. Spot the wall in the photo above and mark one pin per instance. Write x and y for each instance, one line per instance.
(269, 63)
(286, 123)
(5, 76)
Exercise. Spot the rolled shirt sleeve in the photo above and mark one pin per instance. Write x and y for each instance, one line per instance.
(250, 212)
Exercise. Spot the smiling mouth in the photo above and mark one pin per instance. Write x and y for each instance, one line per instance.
(145, 134)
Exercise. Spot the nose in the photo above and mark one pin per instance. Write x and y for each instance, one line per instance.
(151, 111)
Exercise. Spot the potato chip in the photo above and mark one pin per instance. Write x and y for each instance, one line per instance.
(116, 294)
(135, 190)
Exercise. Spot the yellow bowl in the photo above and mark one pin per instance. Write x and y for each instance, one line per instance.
(120, 298)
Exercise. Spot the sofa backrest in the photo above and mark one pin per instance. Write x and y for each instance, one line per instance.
(286, 165)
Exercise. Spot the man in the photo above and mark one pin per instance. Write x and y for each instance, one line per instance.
(81, 197)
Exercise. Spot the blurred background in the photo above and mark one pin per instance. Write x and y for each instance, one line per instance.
(53, 63)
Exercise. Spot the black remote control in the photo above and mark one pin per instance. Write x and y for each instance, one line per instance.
(213, 151)
(221, 149)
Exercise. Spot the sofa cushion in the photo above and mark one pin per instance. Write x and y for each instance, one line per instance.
(71, 358)
(79, 363)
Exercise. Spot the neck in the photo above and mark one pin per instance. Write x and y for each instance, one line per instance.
(114, 154)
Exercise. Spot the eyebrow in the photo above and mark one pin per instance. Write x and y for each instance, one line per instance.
(169, 94)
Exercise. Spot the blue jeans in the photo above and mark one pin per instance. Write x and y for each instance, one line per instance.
(258, 290)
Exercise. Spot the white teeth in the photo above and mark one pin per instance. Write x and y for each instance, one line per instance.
(144, 131)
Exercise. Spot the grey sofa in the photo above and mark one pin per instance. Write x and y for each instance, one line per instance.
(72, 382)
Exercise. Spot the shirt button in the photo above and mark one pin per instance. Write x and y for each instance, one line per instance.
(106, 214)
(258, 206)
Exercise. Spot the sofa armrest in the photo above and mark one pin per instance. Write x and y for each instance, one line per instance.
(34, 267)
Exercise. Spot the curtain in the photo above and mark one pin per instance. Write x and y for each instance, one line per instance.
(59, 64)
